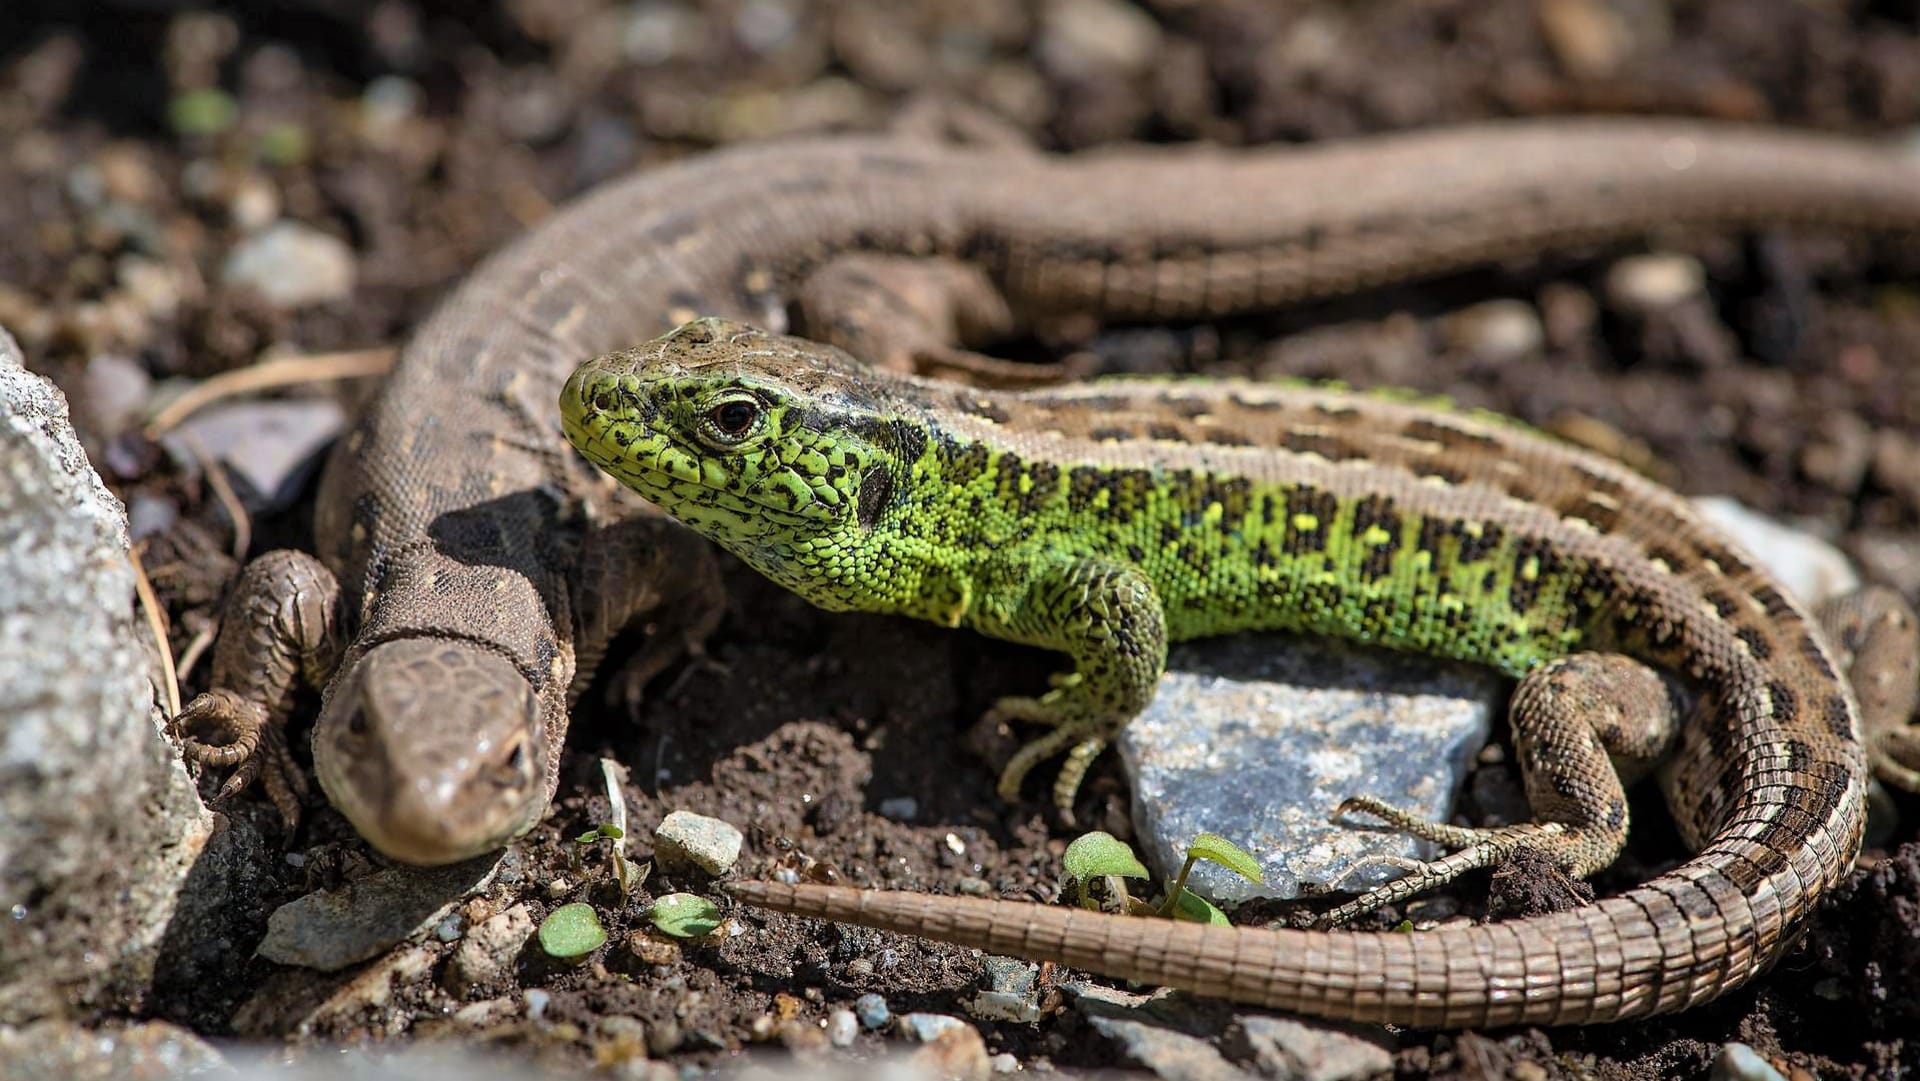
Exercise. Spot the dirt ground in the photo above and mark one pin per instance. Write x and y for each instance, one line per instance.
(144, 141)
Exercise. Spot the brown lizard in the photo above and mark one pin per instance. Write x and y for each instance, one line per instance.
(481, 567)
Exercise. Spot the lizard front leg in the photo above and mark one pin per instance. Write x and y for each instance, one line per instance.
(1104, 615)
(644, 569)
(1577, 721)
(281, 629)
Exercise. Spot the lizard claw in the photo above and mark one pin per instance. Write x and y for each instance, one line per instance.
(1475, 848)
(1081, 738)
(221, 729)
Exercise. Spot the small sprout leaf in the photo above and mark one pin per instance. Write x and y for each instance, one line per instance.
(684, 915)
(1212, 846)
(1190, 906)
(1404, 927)
(571, 931)
(606, 830)
(1092, 855)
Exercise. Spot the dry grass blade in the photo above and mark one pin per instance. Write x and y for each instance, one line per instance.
(157, 626)
(284, 372)
(222, 486)
(196, 649)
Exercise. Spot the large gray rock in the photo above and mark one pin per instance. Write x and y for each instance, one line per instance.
(99, 823)
(1259, 738)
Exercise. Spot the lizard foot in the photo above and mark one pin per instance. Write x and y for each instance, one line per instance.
(1476, 848)
(1895, 758)
(1080, 736)
(222, 730)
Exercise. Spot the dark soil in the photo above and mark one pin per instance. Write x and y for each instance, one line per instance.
(1787, 386)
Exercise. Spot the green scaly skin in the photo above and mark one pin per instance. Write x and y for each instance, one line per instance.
(853, 490)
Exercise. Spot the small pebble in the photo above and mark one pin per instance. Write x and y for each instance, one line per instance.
(900, 808)
(1086, 38)
(1004, 1062)
(292, 265)
(1643, 284)
(684, 838)
(537, 1003)
(842, 1027)
(448, 929)
(1738, 1062)
(958, 1051)
(1497, 330)
(859, 968)
(253, 204)
(926, 1027)
(116, 389)
(872, 1011)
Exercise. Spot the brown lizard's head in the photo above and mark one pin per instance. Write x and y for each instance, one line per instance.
(435, 749)
(787, 453)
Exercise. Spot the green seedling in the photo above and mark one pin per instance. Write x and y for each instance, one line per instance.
(571, 932)
(1101, 857)
(625, 872)
(683, 915)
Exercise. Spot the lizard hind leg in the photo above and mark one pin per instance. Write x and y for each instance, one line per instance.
(1878, 641)
(912, 314)
(1578, 723)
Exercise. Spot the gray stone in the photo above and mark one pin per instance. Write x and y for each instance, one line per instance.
(872, 1010)
(485, 956)
(273, 445)
(1295, 1050)
(686, 839)
(99, 823)
(1259, 738)
(331, 929)
(1174, 1056)
(292, 265)
(1010, 993)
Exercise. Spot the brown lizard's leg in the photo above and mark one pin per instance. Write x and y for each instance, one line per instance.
(936, 118)
(1878, 639)
(646, 569)
(1572, 719)
(281, 628)
(905, 314)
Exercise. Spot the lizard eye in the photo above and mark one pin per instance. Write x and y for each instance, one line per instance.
(734, 419)
(514, 767)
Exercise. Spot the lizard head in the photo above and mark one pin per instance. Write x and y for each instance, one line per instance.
(786, 452)
(420, 789)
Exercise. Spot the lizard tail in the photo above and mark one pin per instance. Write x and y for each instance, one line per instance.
(1673, 942)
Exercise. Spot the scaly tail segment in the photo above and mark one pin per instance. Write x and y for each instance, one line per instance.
(1624, 957)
